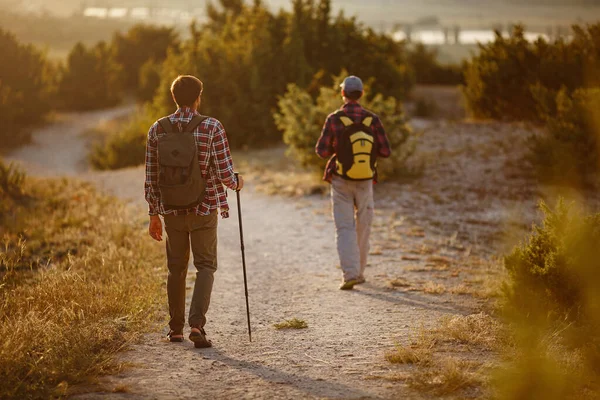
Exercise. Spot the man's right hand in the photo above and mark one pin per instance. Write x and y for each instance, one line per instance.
(240, 184)
(155, 228)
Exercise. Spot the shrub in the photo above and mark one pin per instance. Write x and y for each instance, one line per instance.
(552, 305)
(428, 71)
(301, 119)
(12, 182)
(26, 86)
(91, 79)
(149, 80)
(237, 51)
(567, 152)
(500, 80)
(138, 46)
(125, 147)
(556, 270)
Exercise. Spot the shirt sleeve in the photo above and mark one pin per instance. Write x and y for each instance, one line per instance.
(151, 189)
(324, 147)
(384, 149)
(222, 156)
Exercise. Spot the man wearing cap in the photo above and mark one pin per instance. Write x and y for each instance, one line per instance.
(352, 195)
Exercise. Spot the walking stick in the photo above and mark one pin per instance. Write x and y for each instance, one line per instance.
(243, 258)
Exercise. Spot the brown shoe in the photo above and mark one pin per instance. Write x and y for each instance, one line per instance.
(360, 280)
(175, 336)
(198, 336)
(348, 285)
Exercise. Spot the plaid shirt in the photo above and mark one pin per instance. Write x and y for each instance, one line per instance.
(333, 128)
(221, 172)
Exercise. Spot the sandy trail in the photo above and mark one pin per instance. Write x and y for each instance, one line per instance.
(291, 264)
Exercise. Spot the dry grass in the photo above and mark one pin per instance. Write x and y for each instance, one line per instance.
(294, 323)
(446, 377)
(74, 289)
(399, 282)
(419, 351)
(476, 329)
(433, 372)
(434, 288)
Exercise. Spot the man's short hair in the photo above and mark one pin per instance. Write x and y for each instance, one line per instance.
(353, 95)
(186, 89)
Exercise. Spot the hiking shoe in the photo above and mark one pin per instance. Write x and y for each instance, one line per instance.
(199, 339)
(175, 336)
(349, 285)
(360, 280)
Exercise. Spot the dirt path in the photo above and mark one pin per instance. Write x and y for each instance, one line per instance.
(291, 263)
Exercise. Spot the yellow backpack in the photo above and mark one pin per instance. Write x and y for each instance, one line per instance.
(356, 152)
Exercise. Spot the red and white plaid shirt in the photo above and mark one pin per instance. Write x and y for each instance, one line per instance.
(209, 133)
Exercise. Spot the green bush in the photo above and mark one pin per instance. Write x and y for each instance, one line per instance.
(552, 306)
(556, 270)
(149, 80)
(500, 81)
(301, 120)
(26, 86)
(138, 46)
(246, 55)
(12, 191)
(427, 69)
(90, 80)
(567, 152)
(124, 147)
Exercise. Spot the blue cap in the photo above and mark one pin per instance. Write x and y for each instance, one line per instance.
(352, 84)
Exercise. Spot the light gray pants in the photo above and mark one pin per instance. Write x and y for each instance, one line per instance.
(353, 209)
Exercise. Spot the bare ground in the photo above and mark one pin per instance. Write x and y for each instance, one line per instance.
(436, 234)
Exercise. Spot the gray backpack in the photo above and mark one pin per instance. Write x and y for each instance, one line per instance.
(180, 178)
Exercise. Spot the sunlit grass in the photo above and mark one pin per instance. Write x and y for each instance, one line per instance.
(78, 282)
(294, 323)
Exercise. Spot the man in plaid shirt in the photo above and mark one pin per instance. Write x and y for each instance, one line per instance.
(353, 205)
(198, 225)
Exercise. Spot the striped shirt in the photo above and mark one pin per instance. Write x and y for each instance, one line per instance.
(212, 144)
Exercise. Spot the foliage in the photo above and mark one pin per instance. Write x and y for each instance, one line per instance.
(125, 146)
(427, 69)
(12, 182)
(90, 80)
(138, 46)
(236, 52)
(73, 290)
(149, 80)
(552, 305)
(556, 269)
(301, 119)
(500, 80)
(26, 86)
(567, 153)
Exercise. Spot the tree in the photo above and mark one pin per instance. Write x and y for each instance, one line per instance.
(141, 44)
(91, 79)
(26, 88)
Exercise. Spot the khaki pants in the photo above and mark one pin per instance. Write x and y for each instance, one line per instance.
(353, 209)
(201, 232)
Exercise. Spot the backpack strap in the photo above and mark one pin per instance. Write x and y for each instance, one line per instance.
(347, 121)
(194, 123)
(166, 124)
